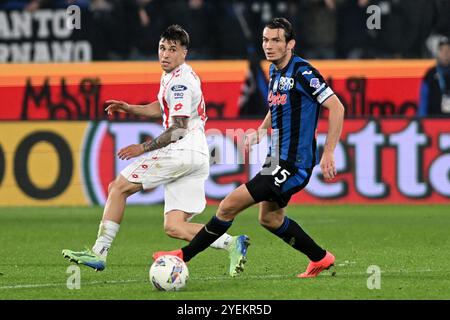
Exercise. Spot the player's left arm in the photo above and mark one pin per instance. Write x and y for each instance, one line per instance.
(335, 123)
(256, 137)
(174, 133)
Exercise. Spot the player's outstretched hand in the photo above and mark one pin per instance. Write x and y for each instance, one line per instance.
(253, 138)
(116, 106)
(249, 140)
(132, 151)
(328, 165)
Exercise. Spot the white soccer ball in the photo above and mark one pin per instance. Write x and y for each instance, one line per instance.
(169, 273)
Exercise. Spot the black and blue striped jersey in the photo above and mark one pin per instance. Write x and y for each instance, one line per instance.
(295, 95)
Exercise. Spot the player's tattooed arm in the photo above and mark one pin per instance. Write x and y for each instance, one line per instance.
(175, 132)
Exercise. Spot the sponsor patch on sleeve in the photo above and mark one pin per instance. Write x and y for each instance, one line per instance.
(319, 89)
(314, 83)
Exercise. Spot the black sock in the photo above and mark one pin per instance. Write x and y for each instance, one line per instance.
(212, 231)
(294, 235)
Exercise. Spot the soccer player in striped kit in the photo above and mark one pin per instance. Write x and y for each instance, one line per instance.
(296, 93)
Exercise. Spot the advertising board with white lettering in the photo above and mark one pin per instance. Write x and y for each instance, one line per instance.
(72, 163)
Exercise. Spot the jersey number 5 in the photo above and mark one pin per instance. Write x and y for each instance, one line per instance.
(283, 175)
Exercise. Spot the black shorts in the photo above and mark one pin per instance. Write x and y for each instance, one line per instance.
(278, 182)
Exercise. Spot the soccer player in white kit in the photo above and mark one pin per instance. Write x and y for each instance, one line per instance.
(177, 159)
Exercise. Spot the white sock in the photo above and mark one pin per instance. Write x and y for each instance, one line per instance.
(223, 242)
(106, 233)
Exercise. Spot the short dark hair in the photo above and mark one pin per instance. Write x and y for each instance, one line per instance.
(282, 23)
(176, 33)
(443, 41)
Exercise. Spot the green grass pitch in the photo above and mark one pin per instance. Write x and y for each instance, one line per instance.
(410, 245)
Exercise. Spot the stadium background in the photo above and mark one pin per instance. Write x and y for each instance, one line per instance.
(386, 153)
(57, 147)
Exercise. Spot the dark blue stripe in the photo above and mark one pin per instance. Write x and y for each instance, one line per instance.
(286, 113)
(297, 180)
(306, 146)
(262, 82)
(283, 226)
(221, 222)
(287, 117)
(296, 120)
(273, 109)
(279, 125)
(423, 104)
(315, 155)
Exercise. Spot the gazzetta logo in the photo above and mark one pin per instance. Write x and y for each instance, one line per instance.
(421, 162)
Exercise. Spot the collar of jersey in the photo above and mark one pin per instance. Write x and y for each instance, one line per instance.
(286, 66)
(176, 69)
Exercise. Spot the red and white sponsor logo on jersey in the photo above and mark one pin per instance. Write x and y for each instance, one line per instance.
(277, 99)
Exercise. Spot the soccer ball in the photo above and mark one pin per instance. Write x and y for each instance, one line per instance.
(169, 273)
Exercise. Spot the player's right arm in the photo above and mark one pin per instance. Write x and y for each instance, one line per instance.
(151, 110)
(335, 123)
(261, 132)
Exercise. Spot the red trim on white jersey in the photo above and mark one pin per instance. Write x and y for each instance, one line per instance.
(166, 112)
(201, 109)
(166, 106)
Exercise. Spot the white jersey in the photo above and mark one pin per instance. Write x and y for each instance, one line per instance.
(180, 95)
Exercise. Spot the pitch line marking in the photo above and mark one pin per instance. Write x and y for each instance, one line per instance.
(212, 278)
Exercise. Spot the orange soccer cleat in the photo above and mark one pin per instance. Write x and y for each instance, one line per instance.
(314, 268)
(177, 253)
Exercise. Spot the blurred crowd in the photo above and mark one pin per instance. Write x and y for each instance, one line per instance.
(227, 29)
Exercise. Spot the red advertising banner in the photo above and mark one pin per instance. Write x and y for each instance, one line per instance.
(78, 91)
(376, 87)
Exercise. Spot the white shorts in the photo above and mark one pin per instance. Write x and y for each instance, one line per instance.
(182, 172)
